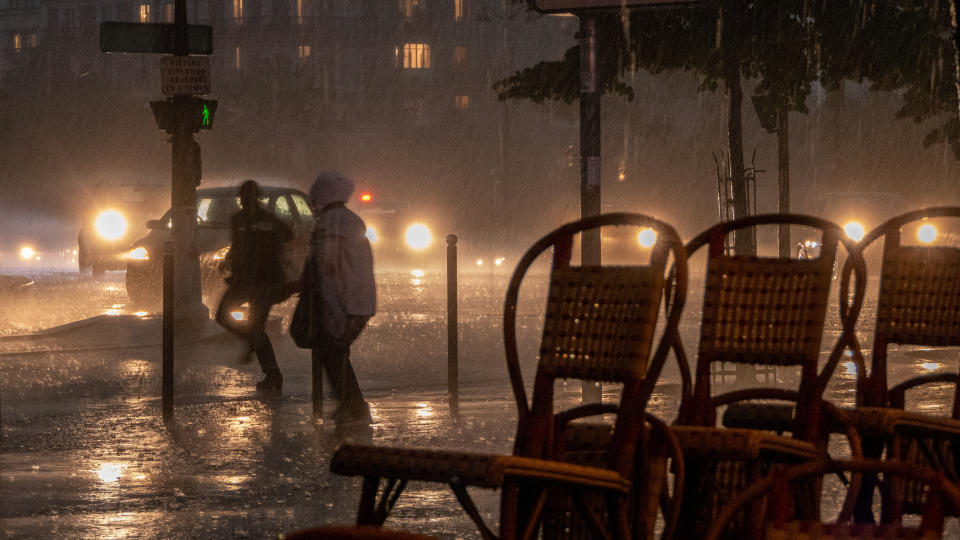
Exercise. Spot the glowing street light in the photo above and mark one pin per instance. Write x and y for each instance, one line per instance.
(647, 238)
(27, 253)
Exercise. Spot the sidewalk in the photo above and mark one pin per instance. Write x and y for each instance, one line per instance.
(85, 454)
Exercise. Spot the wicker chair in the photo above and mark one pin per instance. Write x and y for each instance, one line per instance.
(918, 304)
(566, 477)
(940, 496)
(760, 311)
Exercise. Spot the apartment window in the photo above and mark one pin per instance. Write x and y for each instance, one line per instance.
(32, 39)
(459, 55)
(458, 10)
(238, 11)
(416, 56)
(169, 9)
(144, 12)
(17, 42)
(300, 12)
(303, 51)
(462, 102)
(236, 58)
(409, 8)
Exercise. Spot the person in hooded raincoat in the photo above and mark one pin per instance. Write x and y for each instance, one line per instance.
(341, 264)
(257, 277)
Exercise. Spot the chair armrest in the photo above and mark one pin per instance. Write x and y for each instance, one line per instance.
(584, 411)
(897, 394)
(526, 468)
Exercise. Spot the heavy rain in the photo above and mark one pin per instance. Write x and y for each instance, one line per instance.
(470, 129)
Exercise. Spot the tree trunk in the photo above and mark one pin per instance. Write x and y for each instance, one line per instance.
(783, 178)
(743, 240)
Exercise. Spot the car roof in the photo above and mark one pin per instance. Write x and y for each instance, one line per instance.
(235, 190)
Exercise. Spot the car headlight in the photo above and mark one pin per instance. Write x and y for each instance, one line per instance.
(221, 253)
(111, 225)
(647, 237)
(927, 233)
(372, 234)
(418, 237)
(854, 230)
(139, 254)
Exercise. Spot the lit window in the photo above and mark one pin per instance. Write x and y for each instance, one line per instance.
(458, 10)
(17, 41)
(303, 51)
(170, 12)
(238, 11)
(299, 11)
(32, 39)
(144, 12)
(463, 102)
(410, 8)
(460, 55)
(236, 58)
(416, 56)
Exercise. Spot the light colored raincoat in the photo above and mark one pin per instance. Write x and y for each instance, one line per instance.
(341, 254)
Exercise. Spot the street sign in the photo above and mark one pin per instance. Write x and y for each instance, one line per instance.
(561, 6)
(185, 75)
(153, 38)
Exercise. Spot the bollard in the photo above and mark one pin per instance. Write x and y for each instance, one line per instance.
(453, 367)
(168, 314)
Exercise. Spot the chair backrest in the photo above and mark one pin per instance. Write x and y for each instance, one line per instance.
(776, 485)
(599, 326)
(919, 299)
(768, 311)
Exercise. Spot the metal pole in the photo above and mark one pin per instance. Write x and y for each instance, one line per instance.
(317, 383)
(589, 157)
(183, 195)
(453, 364)
(168, 314)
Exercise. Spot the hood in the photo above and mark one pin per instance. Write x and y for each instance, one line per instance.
(330, 187)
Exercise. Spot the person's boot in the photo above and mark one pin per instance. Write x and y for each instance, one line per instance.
(272, 384)
(356, 414)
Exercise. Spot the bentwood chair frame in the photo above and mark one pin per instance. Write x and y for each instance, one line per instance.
(918, 304)
(761, 311)
(599, 325)
(941, 496)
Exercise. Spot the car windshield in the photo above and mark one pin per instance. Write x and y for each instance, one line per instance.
(217, 209)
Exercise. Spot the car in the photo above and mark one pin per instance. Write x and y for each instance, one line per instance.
(215, 207)
(400, 240)
(114, 217)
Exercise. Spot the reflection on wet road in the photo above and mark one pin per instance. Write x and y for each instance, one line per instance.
(85, 454)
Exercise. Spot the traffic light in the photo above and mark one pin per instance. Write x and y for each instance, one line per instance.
(194, 113)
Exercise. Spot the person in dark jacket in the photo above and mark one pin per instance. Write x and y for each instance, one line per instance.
(342, 270)
(257, 277)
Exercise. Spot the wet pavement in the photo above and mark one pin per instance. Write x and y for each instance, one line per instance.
(86, 455)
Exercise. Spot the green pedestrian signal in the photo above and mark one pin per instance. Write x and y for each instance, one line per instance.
(194, 114)
(203, 116)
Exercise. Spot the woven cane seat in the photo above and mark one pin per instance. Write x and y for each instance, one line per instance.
(482, 470)
(741, 444)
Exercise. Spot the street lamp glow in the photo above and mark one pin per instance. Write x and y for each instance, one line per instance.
(927, 233)
(111, 225)
(418, 237)
(27, 252)
(647, 238)
(854, 230)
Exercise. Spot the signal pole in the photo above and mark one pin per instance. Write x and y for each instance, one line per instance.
(186, 174)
